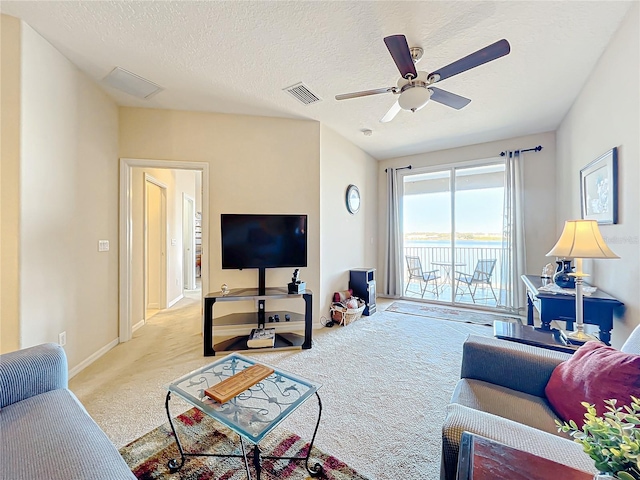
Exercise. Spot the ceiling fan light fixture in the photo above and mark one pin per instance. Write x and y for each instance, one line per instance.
(414, 98)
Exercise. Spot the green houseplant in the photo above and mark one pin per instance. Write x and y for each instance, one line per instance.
(613, 440)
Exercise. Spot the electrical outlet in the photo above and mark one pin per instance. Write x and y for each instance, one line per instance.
(62, 339)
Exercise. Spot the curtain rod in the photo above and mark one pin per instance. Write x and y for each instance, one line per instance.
(402, 168)
(535, 149)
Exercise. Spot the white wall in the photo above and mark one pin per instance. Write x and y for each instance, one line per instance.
(347, 241)
(177, 182)
(9, 183)
(539, 185)
(68, 201)
(258, 165)
(606, 115)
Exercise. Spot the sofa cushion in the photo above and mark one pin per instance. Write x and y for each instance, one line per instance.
(504, 402)
(516, 366)
(32, 371)
(52, 436)
(632, 344)
(593, 374)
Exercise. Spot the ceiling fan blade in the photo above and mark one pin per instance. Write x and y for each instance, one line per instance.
(365, 93)
(390, 115)
(449, 99)
(399, 50)
(482, 56)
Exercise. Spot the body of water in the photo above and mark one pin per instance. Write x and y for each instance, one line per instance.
(459, 243)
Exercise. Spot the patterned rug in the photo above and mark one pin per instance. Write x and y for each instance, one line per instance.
(148, 455)
(444, 313)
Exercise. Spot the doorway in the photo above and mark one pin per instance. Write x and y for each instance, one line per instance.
(452, 219)
(132, 244)
(189, 241)
(155, 240)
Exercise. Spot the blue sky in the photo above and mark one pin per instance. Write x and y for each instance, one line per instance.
(478, 211)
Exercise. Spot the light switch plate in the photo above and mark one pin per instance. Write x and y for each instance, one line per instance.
(103, 245)
(174, 242)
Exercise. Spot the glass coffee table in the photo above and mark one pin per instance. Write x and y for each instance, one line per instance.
(252, 414)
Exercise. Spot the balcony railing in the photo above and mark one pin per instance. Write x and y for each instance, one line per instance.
(465, 259)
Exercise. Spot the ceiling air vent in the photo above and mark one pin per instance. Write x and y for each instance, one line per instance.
(131, 83)
(302, 93)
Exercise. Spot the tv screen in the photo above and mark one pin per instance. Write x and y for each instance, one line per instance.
(263, 241)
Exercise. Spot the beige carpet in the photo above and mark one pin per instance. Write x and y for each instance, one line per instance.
(386, 381)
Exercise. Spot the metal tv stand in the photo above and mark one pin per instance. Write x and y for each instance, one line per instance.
(283, 341)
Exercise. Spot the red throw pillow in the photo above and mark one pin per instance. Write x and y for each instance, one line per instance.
(593, 374)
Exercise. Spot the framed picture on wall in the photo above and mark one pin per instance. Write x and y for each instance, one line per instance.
(599, 188)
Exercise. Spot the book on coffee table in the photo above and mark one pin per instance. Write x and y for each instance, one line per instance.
(261, 338)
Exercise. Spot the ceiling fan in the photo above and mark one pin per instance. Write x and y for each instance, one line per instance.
(415, 88)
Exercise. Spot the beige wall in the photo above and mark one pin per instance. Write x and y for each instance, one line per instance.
(606, 115)
(347, 241)
(9, 183)
(177, 182)
(539, 186)
(68, 201)
(258, 165)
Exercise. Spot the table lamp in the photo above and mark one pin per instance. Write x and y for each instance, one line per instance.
(580, 239)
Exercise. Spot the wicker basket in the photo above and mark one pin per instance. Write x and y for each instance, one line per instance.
(347, 315)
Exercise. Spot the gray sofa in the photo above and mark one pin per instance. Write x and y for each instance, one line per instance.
(500, 395)
(45, 432)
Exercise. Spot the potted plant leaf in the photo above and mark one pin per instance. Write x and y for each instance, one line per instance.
(612, 440)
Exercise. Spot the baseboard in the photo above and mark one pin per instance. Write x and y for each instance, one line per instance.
(138, 325)
(175, 300)
(92, 358)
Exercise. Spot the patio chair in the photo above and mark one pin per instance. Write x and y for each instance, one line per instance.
(414, 266)
(481, 277)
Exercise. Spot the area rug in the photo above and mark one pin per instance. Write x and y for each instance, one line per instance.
(148, 455)
(444, 313)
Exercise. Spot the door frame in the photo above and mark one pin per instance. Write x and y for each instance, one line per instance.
(188, 241)
(127, 165)
(163, 242)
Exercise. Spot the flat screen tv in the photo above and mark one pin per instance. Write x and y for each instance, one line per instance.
(263, 241)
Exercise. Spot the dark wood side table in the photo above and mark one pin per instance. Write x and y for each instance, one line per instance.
(484, 459)
(550, 339)
(598, 307)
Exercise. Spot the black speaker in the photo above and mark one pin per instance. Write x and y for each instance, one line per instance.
(363, 283)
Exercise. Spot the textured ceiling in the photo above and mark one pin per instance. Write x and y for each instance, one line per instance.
(236, 57)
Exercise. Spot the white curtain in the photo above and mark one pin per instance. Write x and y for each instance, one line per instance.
(392, 282)
(513, 244)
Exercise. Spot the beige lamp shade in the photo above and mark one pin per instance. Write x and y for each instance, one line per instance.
(581, 239)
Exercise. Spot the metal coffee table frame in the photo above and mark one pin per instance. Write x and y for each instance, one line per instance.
(281, 393)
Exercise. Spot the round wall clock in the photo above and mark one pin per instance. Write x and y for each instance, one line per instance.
(353, 199)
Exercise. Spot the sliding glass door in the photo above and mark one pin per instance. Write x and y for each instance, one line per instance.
(427, 235)
(452, 233)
